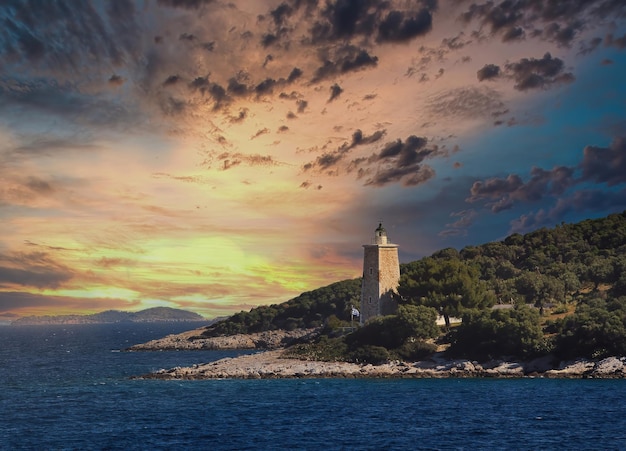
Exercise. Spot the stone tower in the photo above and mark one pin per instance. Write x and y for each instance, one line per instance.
(381, 275)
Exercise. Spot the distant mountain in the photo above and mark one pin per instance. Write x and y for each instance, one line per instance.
(155, 314)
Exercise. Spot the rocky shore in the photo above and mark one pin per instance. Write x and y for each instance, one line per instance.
(193, 340)
(273, 365)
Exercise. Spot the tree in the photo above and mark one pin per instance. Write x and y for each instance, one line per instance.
(489, 334)
(449, 286)
(597, 329)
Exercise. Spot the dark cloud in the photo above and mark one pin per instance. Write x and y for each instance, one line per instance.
(241, 116)
(281, 13)
(346, 58)
(64, 37)
(228, 160)
(455, 43)
(588, 47)
(39, 186)
(488, 72)
(500, 18)
(236, 88)
(265, 87)
(187, 37)
(531, 73)
(330, 160)
(335, 92)
(580, 201)
(348, 19)
(605, 164)
(601, 165)
(611, 41)
(399, 161)
(306, 185)
(201, 84)
(35, 269)
(503, 193)
(294, 75)
(398, 26)
(208, 46)
(171, 80)
(268, 39)
(184, 4)
(260, 132)
(513, 34)
(554, 21)
(302, 104)
(116, 80)
(172, 106)
(63, 101)
(358, 138)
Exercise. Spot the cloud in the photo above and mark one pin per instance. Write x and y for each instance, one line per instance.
(505, 192)
(611, 41)
(347, 58)
(558, 22)
(398, 26)
(14, 301)
(605, 164)
(335, 92)
(488, 72)
(228, 160)
(601, 165)
(116, 80)
(531, 73)
(184, 4)
(46, 98)
(171, 80)
(580, 201)
(399, 161)
(58, 37)
(459, 227)
(465, 102)
(34, 269)
(341, 20)
(330, 160)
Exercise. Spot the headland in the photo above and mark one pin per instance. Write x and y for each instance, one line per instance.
(273, 361)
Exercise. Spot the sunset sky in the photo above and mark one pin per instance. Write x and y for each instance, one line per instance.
(215, 156)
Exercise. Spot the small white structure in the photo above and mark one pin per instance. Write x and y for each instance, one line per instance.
(381, 276)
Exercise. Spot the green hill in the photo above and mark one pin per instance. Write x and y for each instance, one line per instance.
(567, 286)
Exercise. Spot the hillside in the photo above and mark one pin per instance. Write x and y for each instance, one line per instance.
(155, 314)
(577, 271)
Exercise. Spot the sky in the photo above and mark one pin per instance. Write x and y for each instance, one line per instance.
(215, 156)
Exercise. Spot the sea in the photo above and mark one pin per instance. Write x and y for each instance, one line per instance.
(71, 387)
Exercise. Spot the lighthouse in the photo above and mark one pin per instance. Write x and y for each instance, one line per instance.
(381, 275)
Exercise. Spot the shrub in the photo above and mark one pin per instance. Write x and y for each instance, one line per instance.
(416, 350)
(376, 355)
(488, 334)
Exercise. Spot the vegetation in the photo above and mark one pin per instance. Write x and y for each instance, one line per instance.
(575, 270)
(310, 309)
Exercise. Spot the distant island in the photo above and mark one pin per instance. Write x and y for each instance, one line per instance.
(151, 315)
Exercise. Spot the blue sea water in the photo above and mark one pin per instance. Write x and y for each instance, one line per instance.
(70, 387)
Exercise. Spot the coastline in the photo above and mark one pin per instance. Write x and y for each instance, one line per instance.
(273, 365)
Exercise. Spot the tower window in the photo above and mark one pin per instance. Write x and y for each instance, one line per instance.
(369, 301)
(371, 271)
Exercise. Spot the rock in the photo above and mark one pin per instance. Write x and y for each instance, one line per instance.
(609, 367)
(193, 340)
